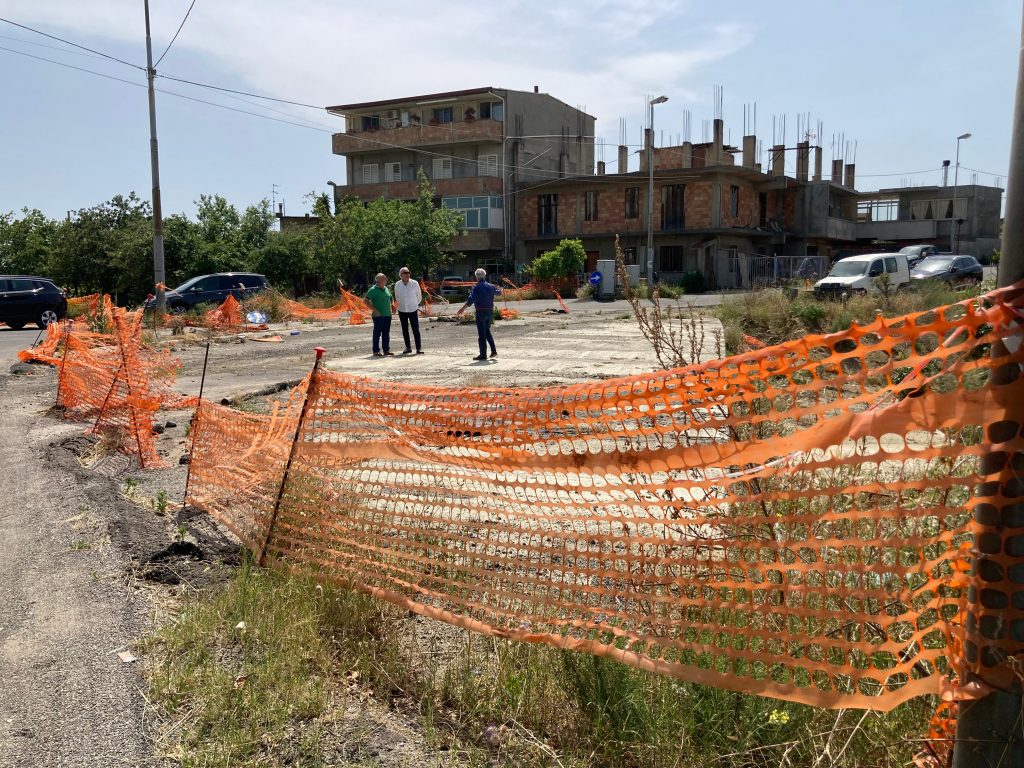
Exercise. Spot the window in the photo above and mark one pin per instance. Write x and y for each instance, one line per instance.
(733, 257)
(590, 206)
(371, 122)
(392, 171)
(21, 285)
(371, 173)
(629, 255)
(490, 110)
(877, 268)
(937, 209)
(890, 265)
(671, 258)
(476, 211)
(442, 168)
(487, 165)
(442, 115)
(734, 201)
(672, 215)
(547, 214)
(878, 210)
(632, 202)
(762, 209)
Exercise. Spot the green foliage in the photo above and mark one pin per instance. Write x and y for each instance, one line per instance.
(564, 260)
(693, 282)
(237, 694)
(358, 240)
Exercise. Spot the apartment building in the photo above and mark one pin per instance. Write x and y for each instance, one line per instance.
(713, 213)
(476, 146)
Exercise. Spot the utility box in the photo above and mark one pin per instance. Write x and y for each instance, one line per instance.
(633, 270)
(606, 288)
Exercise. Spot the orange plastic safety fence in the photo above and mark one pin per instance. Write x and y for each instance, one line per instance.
(796, 522)
(112, 379)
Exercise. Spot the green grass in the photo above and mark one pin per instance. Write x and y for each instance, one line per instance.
(772, 316)
(264, 695)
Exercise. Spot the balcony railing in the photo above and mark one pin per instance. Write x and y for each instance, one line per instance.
(408, 190)
(417, 135)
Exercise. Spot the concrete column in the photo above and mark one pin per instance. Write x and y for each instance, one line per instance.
(600, 167)
(837, 172)
(803, 160)
(717, 141)
(648, 148)
(779, 160)
(687, 158)
(817, 163)
(848, 177)
(623, 159)
(749, 151)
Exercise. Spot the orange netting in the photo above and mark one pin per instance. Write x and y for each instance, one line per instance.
(350, 304)
(113, 379)
(834, 521)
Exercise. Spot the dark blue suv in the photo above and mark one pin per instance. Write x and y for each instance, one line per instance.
(26, 299)
(212, 289)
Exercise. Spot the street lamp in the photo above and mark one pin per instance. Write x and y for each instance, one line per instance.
(649, 271)
(956, 178)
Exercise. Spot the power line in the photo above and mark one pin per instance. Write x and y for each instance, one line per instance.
(240, 93)
(175, 35)
(50, 47)
(75, 45)
(161, 90)
(71, 66)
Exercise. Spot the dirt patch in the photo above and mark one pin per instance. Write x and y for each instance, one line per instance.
(181, 546)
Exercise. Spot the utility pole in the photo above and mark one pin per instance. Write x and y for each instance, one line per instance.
(154, 153)
(988, 730)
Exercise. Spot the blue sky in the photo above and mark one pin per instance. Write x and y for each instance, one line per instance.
(900, 78)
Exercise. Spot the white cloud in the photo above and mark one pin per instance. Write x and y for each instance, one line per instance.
(606, 57)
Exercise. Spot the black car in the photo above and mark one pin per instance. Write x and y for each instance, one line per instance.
(955, 270)
(212, 289)
(27, 299)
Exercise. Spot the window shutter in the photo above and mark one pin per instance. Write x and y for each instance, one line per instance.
(442, 168)
(392, 172)
(371, 173)
(487, 165)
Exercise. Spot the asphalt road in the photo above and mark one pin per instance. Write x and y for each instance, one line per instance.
(12, 342)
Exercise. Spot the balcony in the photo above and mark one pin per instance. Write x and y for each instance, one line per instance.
(416, 135)
(898, 230)
(409, 190)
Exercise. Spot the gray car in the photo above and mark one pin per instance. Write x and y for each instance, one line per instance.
(955, 270)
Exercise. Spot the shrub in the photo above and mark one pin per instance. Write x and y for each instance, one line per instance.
(693, 282)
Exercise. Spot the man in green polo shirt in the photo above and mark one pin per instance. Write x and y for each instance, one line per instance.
(378, 299)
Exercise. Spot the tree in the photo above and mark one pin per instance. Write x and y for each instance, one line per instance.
(429, 231)
(25, 243)
(563, 261)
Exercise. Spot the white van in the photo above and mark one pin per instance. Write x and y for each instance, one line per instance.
(859, 274)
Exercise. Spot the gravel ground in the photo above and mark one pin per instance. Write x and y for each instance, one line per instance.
(66, 699)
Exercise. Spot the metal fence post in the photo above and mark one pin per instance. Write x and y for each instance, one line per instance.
(291, 456)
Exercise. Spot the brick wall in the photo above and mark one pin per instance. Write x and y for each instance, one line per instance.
(748, 214)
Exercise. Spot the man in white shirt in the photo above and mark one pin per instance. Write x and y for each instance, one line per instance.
(408, 295)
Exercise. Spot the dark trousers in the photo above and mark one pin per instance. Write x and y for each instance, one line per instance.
(483, 330)
(410, 318)
(382, 332)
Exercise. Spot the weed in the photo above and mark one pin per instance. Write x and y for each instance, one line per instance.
(180, 533)
(130, 487)
(160, 502)
(80, 545)
(236, 694)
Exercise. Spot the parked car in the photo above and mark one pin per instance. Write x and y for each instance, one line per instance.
(918, 253)
(211, 289)
(27, 299)
(452, 285)
(859, 274)
(955, 270)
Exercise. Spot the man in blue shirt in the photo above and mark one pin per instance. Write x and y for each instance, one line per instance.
(481, 298)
